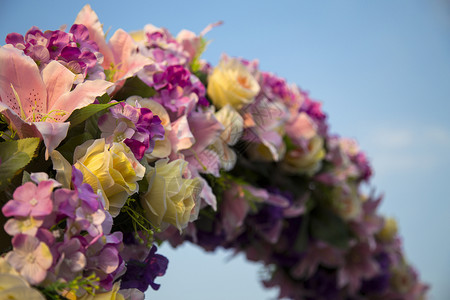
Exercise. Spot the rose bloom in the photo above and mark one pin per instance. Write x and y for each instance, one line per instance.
(231, 83)
(112, 169)
(389, 230)
(305, 161)
(347, 203)
(170, 198)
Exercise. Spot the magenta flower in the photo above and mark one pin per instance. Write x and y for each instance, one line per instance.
(74, 49)
(30, 257)
(137, 127)
(30, 200)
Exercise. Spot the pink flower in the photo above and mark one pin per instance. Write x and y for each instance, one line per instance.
(30, 200)
(37, 103)
(120, 58)
(359, 264)
(30, 257)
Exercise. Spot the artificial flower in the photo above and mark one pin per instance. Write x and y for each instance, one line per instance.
(30, 257)
(170, 198)
(112, 169)
(37, 104)
(13, 287)
(231, 83)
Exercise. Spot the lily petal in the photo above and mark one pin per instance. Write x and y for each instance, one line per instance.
(20, 72)
(58, 80)
(89, 18)
(83, 95)
(52, 134)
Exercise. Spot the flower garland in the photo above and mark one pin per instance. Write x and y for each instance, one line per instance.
(109, 148)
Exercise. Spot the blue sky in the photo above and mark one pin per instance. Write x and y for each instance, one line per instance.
(381, 70)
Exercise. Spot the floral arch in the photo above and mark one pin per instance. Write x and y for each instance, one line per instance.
(110, 148)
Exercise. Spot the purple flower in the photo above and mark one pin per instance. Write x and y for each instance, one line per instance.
(140, 275)
(80, 35)
(137, 127)
(74, 50)
(359, 264)
(71, 258)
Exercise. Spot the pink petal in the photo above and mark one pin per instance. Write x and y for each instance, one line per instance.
(181, 136)
(122, 45)
(108, 260)
(205, 128)
(83, 95)
(58, 80)
(16, 208)
(22, 73)
(23, 128)
(33, 273)
(52, 134)
(45, 204)
(89, 18)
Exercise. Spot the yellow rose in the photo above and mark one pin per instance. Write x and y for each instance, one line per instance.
(309, 161)
(16, 288)
(112, 169)
(170, 198)
(347, 203)
(231, 83)
(389, 230)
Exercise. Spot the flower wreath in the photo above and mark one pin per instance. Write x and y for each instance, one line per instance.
(112, 147)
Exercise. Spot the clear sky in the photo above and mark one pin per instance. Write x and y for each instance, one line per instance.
(380, 68)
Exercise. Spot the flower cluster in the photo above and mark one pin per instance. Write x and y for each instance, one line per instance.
(109, 147)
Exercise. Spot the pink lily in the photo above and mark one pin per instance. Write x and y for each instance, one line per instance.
(118, 54)
(37, 103)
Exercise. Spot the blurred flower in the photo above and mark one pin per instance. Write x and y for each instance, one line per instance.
(231, 83)
(389, 230)
(347, 203)
(113, 169)
(233, 125)
(359, 264)
(170, 198)
(30, 257)
(13, 287)
(305, 159)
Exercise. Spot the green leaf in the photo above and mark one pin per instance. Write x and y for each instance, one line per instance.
(14, 156)
(104, 99)
(301, 242)
(195, 64)
(328, 227)
(68, 148)
(80, 115)
(134, 87)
